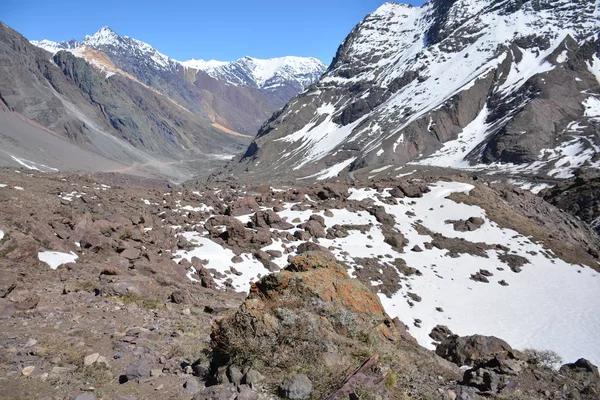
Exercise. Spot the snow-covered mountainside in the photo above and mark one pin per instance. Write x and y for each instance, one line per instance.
(236, 97)
(264, 74)
(500, 85)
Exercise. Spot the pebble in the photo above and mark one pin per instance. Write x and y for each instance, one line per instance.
(28, 370)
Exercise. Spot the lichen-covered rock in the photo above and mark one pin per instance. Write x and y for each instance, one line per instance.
(311, 314)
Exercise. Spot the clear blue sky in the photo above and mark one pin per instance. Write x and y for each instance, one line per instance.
(183, 29)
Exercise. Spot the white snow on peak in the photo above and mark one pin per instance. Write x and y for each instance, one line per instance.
(262, 73)
(264, 70)
(203, 65)
(54, 47)
(247, 71)
(107, 37)
(104, 36)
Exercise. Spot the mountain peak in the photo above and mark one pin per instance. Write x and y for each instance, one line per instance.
(264, 73)
(104, 36)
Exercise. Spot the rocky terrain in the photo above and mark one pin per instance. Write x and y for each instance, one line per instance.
(494, 86)
(117, 287)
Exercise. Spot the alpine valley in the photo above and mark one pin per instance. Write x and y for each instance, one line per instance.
(419, 220)
(123, 100)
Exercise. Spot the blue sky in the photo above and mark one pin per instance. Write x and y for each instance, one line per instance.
(183, 29)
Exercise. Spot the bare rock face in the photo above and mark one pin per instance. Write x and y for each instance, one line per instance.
(578, 196)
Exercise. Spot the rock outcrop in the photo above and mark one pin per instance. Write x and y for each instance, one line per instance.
(311, 317)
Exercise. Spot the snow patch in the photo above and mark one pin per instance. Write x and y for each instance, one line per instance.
(55, 259)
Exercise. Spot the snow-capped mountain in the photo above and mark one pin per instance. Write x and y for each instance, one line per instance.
(263, 74)
(237, 96)
(509, 85)
(108, 41)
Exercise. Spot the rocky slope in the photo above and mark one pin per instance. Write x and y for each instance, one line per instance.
(579, 196)
(492, 85)
(119, 118)
(118, 287)
(238, 95)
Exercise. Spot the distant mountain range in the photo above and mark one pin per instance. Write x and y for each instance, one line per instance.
(509, 87)
(296, 73)
(123, 99)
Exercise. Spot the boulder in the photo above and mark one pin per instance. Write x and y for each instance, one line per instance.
(468, 350)
(246, 205)
(440, 333)
(311, 311)
(138, 370)
(296, 387)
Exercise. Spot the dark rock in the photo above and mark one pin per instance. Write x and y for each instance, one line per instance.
(180, 296)
(440, 333)
(467, 350)
(483, 379)
(468, 225)
(131, 253)
(310, 246)
(138, 370)
(243, 206)
(297, 387)
(217, 392)
(191, 387)
(514, 261)
(234, 374)
(382, 216)
(478, 277)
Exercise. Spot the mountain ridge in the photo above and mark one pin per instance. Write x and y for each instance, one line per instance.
(449, 84)
(247, 71)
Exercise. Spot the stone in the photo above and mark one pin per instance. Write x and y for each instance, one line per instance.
(217, 392)
(180, 296)
(90, 359)
(156, 372)
(131, 254)
(440, 333)
(138, 370)
(234, 375)
(85, 396)
(242, 206)
(253, 378)
(478, 277)
(246, 393)
(296, 387)
(191, 387)
(28, 370)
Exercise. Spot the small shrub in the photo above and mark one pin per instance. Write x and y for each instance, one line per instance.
(543, 358)
(391, 380)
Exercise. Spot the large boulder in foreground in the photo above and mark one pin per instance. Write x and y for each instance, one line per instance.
(310, 318)
(469, 350)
